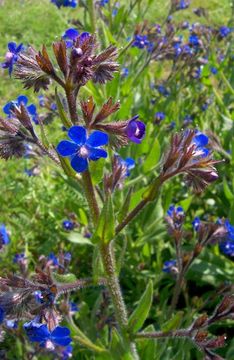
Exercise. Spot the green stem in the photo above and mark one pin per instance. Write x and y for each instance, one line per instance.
(71, 100)
(109, 264)
(90, 195)
(227, 83)
(92, 14)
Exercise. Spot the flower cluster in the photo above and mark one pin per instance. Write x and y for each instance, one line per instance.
(11, 106)
(189, 154)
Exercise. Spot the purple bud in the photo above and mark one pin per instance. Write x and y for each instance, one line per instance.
(135, 130)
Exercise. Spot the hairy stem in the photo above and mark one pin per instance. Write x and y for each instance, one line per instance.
(168, 334)
(112, 280)
(91, 7)
(71, 100)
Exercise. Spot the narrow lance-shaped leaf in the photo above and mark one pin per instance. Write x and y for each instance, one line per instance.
(63, 116)
(105, 230)
(140, 314)
(125, 208)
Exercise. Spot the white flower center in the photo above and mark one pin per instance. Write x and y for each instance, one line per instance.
(83, 152)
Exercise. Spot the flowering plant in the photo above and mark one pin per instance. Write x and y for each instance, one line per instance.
(115, 175)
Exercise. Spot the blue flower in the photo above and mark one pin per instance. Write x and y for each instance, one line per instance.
(227, 247)
(214, 70)
(127, 163)
(169, 266)
(38, 332)
(73, 307)
(194, 40)
(141, 41)
(67, 257)
(11, 56)
(65, 3)
(162, 90)
(11, 324)
(175, 218)
(4, 237)
(81, 149)
(68, 225)
(224, 31)
(53, 259)
(196, 223)
(188, 119)
(183, 5)
(135, 130)
(103, 2)
(71, 35)
(2, 315)
(32, 110)
(18, 258)
(159, 116)
(124, 72)
(197, 73)
(172, 211)
(230, 230)
(67, 352)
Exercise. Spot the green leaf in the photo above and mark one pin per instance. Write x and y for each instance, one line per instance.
(65, 163)
(227, 191)
(78, 238)
(44, 138)
(153, 157)
(62, 114)
(96, 170)
(105, 230)
(83, 217)
(65, 278)
(123, 212)
(173, 323)
(147, 347)
(117, 348)
(140, 314)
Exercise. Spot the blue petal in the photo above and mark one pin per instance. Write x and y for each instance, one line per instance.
(201, 139)
(7, 108)
(71, 34)
(79, 164)
(63, 341)
(12, 47)
(4, 235)
(97, 138)
(95, 154)
(22, 99)
(130, 163)
(67, 148)
(77, 134)
(2, 315)
(32, 109)
(19, 48)
(60, 331)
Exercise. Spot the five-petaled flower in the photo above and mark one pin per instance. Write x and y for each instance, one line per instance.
(81, 149)
(11, 56)
(40, 333)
